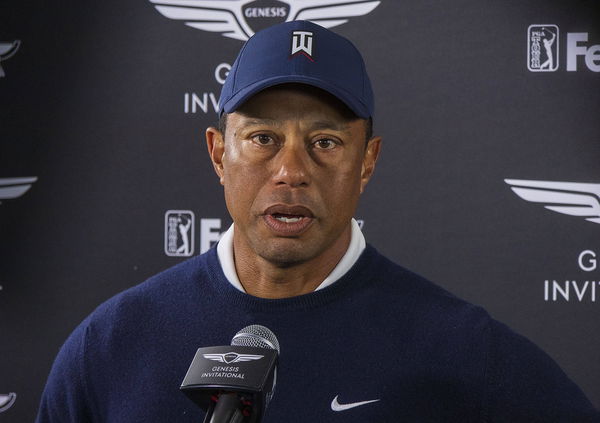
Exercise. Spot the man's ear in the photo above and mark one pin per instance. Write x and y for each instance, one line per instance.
(369, 161)
(215, 143)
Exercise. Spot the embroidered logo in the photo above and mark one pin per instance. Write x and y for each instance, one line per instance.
(302, 43)
(336, 406)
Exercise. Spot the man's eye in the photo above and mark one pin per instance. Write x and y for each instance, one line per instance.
(325, 144)
(263, 139)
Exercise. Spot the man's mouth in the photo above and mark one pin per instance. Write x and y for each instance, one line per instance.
(288, 220)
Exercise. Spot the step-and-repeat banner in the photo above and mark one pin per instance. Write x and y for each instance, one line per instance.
(488, 183)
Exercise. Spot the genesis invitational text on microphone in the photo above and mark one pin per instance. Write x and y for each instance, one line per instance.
(234, 383)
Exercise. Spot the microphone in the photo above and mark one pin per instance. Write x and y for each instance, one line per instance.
(235, 383)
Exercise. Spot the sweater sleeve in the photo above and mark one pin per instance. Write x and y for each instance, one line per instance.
(525, 385)
(65, 398)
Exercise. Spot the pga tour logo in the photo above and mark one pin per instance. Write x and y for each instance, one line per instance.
(179, 233)
(542, 48)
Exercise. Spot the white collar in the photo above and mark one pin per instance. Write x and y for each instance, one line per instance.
(355, 249)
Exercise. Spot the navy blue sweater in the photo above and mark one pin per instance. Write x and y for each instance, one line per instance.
(380, 332)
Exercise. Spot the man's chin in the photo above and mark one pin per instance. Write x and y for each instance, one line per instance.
(285, 252)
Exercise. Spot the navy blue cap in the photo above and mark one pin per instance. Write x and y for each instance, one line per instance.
(300, 52)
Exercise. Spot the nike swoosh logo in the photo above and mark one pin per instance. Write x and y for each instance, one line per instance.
(336, 406)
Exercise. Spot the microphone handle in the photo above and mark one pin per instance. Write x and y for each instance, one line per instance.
(227, 410)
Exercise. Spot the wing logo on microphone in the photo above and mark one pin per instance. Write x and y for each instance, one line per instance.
(232, 357)
(240, 389)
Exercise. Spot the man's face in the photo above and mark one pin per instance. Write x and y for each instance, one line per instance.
(293, 163)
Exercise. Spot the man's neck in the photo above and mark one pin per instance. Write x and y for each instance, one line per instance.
(264, 279)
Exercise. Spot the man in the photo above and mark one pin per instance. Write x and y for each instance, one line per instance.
(362, 339)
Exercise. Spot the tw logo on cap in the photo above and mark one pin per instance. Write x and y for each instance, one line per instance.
(302, 43)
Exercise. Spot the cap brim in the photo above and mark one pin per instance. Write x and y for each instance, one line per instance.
(245, 93)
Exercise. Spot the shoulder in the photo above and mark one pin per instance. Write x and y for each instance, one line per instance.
(162, 290)
(526, 384)
(118, 337)
(423, 300)
(157, 305)
(520, 382)
(396, 277)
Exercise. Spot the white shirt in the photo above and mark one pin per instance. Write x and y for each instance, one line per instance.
(355, 249)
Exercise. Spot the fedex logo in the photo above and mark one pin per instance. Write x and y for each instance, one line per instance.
(577, 48)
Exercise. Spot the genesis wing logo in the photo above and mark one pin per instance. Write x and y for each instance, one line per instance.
(7, 50)
(230, 17)
(572, 198)
(14, 187)
(232, 357)
(7, 400)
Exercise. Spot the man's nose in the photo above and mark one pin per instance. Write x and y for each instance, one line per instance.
(292, 165)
